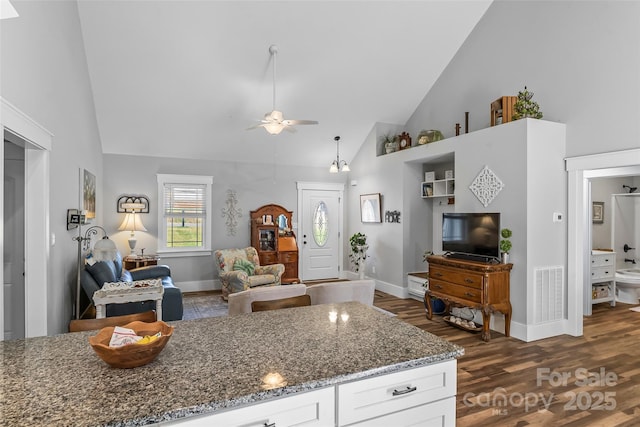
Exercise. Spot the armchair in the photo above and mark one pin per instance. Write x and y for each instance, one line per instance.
(240, 269)
(94, 276)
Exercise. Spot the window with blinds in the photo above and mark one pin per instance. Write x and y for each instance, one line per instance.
(184, 212)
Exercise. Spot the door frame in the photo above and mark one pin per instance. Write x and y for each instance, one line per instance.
(19, 128)
(581, 170)
(324, 186)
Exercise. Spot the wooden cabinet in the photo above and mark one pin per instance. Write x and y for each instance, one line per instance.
(603, 277)
(470, 284)
(274, 240)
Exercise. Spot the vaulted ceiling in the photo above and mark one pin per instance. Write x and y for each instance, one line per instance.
(187, 78)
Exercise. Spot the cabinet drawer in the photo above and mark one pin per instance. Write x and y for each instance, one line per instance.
(267, 258)
(374, 397)
(437, 414)
(464, 292)
(458, 277)
(602, 260)
(603, 273)
(315, 408)
(286, 257)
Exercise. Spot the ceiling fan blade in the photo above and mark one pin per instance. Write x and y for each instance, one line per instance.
(299, 122)
(257, 125)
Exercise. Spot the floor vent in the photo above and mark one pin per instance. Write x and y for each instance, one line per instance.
(548, 294)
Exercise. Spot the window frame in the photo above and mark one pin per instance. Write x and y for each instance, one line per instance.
(205, 250)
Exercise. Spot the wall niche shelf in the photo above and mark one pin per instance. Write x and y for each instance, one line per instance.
(431, 187)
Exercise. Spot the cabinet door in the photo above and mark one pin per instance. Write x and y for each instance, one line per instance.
(315, 408)
(374, 397)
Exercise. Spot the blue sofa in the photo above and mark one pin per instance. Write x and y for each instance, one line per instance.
(94, 276)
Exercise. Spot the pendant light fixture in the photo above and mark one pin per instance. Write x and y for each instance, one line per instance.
(338, 165)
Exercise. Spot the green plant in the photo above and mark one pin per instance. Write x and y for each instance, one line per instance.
(358, 249)
(388, 139)
(505, 243)
(525, 107)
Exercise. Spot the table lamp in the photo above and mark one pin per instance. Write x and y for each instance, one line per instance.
(132, 223)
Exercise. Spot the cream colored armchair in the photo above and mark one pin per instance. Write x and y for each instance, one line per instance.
(240, 269)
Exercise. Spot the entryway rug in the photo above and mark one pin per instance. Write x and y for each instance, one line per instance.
(203, 304)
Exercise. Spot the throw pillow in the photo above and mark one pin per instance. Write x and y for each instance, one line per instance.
(244, 265)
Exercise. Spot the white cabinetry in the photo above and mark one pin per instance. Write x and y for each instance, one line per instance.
(315, 408)
(603, 277)
(417, 283)
(430, 390)
(418, 396)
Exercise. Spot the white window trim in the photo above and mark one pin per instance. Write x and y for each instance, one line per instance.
(184, 179)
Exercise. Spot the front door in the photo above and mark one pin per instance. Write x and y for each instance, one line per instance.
(320, 232)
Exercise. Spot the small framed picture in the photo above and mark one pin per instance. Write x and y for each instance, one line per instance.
(370, 208)
(597, 214)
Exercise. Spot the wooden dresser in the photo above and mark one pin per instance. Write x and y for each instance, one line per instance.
(470, 284)
(275, 244)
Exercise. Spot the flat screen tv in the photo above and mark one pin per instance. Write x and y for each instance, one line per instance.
(475, 234)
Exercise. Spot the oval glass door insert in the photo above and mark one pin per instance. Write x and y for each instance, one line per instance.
(321, 224)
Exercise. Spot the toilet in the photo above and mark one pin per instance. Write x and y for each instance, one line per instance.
(628, 286)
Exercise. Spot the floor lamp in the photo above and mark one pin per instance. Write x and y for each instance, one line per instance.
(103, 250)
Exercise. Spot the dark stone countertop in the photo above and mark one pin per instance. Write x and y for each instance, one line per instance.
(207, 365)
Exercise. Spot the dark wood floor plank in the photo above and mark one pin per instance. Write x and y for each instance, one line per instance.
(507, 366)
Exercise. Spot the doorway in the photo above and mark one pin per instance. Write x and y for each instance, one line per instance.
(320, 220)
(581, 170)
(13, 261)
(21, 130)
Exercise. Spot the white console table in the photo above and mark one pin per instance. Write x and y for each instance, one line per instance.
(123, 292)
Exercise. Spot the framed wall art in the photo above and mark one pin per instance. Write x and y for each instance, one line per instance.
(597, 214)
(88, 194)
(370, 208)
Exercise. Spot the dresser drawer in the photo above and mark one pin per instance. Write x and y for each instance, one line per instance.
(464, 292)
(441, 414)
(602, 260)
(603, 273)
(267, 258)
(458, 277)
(374, 397)
(286, 257)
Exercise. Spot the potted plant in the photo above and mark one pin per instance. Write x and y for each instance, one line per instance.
(525, 107)
(505, 244)
(390, 143)
(358, 252)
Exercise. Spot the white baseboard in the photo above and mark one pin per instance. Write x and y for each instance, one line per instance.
(199, 285)
(386, 287)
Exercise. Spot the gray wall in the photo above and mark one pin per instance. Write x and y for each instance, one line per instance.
(44, 74)
(254, 184)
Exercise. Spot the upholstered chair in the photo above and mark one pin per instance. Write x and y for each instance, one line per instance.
(240, 269)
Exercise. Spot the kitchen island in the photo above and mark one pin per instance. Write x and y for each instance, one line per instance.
(214, 366)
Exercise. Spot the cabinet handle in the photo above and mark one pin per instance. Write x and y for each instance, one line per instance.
(437, 286)
(437, 274)
(468, 280)
(469, 294)
(405, 391)
(269, 425)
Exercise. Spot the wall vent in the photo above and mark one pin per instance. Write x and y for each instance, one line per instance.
(548, 294)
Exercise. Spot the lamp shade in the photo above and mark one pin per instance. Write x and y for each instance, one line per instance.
(132, 222)
(104, 249)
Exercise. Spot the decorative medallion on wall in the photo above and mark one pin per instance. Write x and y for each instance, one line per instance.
(486, 186)
(231, 212)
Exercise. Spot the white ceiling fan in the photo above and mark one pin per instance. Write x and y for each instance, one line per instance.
(274, 121)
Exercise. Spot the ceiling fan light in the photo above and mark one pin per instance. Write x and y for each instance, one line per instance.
(345, 168)
(274, 128)
(334, 167)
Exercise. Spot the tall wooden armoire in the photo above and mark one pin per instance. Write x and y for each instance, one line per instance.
(274, 240)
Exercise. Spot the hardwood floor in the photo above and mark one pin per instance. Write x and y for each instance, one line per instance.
(592, 380)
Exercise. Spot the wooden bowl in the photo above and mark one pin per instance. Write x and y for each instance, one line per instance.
(132, 355)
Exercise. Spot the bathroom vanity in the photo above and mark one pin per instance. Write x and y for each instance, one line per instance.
(331, 364)
(603, 277)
